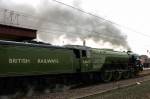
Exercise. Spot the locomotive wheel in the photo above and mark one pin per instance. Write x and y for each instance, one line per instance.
(126, 75)
(132, 74)
(117, 75)
(106, 76)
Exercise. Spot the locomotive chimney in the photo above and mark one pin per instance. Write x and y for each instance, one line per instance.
(84, 42)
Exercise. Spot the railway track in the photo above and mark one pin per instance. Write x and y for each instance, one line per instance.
(86, 91)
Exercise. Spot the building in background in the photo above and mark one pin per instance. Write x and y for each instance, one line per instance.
(14, 33)
(145, 61)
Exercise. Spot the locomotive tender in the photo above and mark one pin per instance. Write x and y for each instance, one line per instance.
(23, 64)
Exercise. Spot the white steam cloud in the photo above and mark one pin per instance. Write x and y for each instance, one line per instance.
(54, 20)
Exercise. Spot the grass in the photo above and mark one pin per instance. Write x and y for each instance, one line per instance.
(141, 91)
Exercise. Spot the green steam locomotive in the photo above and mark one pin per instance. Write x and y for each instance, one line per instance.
(43, 65)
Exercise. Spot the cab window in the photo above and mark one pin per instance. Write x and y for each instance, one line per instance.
(84, 53)
(77, 53)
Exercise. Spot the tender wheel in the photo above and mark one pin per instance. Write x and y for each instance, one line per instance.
(106, 76)
(126, 75)
(117, 75)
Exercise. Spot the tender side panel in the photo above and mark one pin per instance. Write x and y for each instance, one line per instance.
(25, 60)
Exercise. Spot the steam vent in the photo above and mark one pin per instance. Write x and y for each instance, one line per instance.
(16, 33)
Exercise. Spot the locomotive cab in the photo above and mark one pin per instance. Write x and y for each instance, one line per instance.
(83, 56)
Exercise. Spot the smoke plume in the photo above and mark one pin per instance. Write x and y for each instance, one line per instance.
(54, 20)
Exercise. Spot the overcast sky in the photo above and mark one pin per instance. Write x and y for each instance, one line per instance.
(132, 16)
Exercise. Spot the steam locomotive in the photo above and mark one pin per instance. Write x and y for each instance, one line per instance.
(41, 66)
